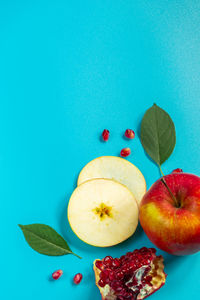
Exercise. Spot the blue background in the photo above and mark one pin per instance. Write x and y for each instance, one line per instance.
(69, 69)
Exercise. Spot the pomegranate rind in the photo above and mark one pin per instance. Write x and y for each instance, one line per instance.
(158, 275)
(158, 280)
(106, 292)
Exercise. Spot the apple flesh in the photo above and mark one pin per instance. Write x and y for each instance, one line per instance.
(118, 169)
(103, 212)
(173, 226)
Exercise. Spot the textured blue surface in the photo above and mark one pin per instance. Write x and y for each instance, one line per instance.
(69, 69)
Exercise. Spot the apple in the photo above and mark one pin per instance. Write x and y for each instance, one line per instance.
(116, 168)
(173, 225)
(103, 212)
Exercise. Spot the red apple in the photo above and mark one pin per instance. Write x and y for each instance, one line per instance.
(173, 226)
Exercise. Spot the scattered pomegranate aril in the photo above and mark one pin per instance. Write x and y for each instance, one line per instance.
(77, 278)
(105, 135)
(129, 133)
(125, 152)
(57, 274)
(134, 276)
(178, 170)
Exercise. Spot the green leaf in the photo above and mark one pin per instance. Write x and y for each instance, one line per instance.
(45, 240)
(158, 134)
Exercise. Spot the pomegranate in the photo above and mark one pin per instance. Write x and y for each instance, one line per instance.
(125, 152)
(129, 133)
(77, 278)
(133, 276)
(57, 274)
(105, 135)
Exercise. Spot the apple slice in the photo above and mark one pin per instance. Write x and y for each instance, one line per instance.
(103, 212)
(116, 168)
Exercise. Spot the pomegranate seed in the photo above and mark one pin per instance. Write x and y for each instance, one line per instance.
(115, 284)
(131, 283)
(148, 279)
(129, 133)
(105, 135)
(178, 170)
(119, 275)
(132, 266)
(143, 249)
(129, 295)
(77, 278)
(119, 289)
(99, 265)
(107, 260)
(116, 263)
(125, 152)
(112, 275)
(101, 283)
(57, 274)
(104, 275)
(153, 250)
(139, 257)
(125, 268)
(122, 258)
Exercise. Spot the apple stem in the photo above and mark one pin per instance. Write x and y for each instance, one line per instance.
(169, 190)
(171, 194)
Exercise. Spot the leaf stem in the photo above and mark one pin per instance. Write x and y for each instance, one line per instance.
(161, 171)
(76, 255)
(167, 187)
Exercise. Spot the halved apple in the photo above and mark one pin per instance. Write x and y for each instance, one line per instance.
(116, 168)
(103, 212)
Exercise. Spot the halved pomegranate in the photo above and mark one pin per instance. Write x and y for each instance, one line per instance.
(133, 276)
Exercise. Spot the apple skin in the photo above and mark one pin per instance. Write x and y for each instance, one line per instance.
(175, 230)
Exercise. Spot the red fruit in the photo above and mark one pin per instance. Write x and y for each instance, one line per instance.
(99, 265)
(178, 170)
(105, 135)
(125, 152)
(138, 274)
(101, 283)
(107, 261)
(77, 278)
(129, 133)
(116, 263)
(176, 214)
(57, 274)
